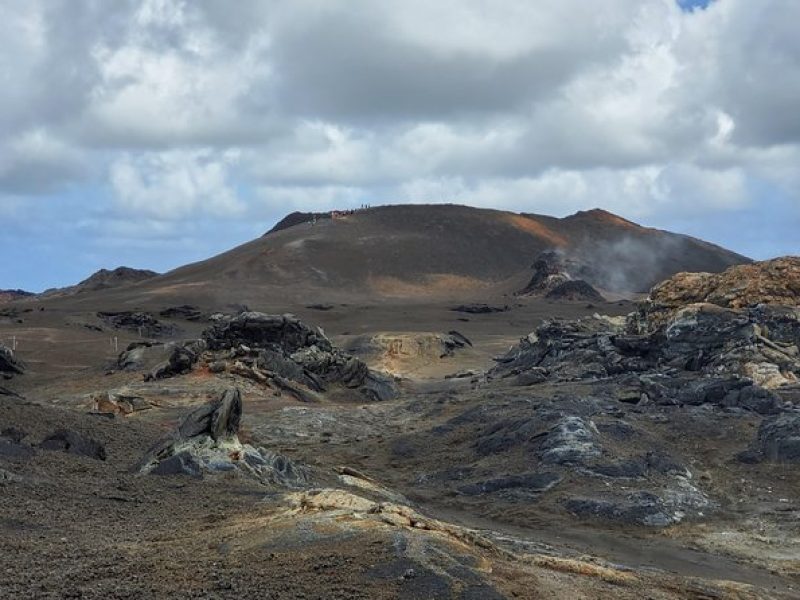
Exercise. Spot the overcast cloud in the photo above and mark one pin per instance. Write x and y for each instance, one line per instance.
(156, 132)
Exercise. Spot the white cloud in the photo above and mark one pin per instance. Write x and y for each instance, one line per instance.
(310, 198)
(174, 81)
(175, 184)
(35, 161)
(641, 193)
(175, 105)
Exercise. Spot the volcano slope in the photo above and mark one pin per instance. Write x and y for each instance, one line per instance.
(419, 253)
(229, 453)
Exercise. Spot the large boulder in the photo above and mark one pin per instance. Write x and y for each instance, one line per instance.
(218, 420)
(138, 354)
(182, 357)
(259, 330)
(778, 438)
(705, 328)
(207, 441)
(9, 365)
(781, 324)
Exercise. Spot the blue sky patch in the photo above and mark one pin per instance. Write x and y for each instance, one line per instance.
(690, 5)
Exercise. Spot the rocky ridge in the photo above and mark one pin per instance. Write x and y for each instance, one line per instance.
(678, 331)
(773, 282)
(10, 295)
(101, 280)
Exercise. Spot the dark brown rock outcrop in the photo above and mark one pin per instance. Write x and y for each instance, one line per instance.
(479, 309)
(557, 277)
(259, 330)
(102, 280)
(11, 295)
(182, 357)
(282, 349)
(774, 282)
(142, 323)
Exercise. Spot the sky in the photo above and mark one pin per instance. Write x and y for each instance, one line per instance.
(159, 132)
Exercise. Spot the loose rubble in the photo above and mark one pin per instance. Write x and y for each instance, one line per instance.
(118, 402)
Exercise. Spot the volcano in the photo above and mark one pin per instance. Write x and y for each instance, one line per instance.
(422, 252)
